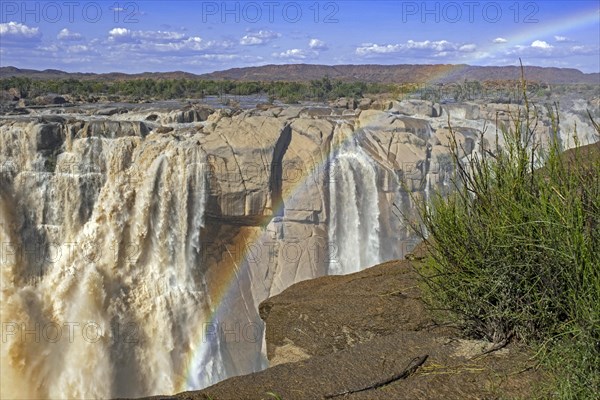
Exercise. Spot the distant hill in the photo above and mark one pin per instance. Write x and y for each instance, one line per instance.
(6, 72)
(439, 73)
(405, 73)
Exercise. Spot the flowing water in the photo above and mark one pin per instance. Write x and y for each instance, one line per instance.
(354, 210)
(120, 312)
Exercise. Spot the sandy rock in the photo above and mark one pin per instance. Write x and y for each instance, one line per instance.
(415, 107)
(316, 112)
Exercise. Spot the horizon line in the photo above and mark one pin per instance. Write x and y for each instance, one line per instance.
(293, 64)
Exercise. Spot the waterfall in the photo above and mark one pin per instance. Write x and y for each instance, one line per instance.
(354, 210)
(120, 312)
(208, 368)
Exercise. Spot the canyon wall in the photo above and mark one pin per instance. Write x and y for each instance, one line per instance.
(137, 246)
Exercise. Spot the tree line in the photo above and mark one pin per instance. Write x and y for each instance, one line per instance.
(323, 89)
(164, 89)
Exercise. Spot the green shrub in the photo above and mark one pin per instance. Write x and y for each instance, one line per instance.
(515, 250)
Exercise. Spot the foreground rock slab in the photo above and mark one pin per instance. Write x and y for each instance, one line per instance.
(339, 334)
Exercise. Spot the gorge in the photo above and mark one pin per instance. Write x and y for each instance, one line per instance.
(138, 242)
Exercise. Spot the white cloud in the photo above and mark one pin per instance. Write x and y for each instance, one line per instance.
(258, 38)
(127, 43)
(440, 45)
(296, 54)
(317, 44)
(250, 41)
(159, 35)
(584, 50)
(541, 50)
(437, 48)
(119, 32)
(499, 40)
(79, 48)
(372, 48)
(19, 31)
(66, 34)
(467, 48)
(124, 34)
(561, 38)
(53, 48)
(219, 57)
(194, 43)
(540, 44)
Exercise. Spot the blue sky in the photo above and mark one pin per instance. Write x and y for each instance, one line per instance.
(204, 36)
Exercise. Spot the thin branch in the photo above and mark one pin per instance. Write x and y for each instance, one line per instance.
(410, 369)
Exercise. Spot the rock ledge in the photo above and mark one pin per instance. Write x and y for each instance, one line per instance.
(338, 333)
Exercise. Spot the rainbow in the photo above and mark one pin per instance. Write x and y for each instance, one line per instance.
(224, 285)
(537, 31)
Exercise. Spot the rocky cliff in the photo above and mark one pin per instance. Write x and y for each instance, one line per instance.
(137, 244)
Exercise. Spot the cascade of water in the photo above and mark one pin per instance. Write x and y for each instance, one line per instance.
(354, 210)
(120, 313)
